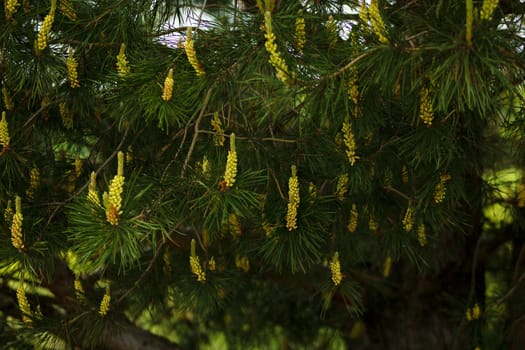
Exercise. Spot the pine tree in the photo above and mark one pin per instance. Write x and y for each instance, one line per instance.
(287, 174)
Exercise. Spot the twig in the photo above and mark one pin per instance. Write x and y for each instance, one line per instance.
(512, 290)
(346, 67)
(143, 274)
(519, 262)
(272, 139)
(201, 13)
(391, 189)
(34, 115)
(196, 134)
(184, 134)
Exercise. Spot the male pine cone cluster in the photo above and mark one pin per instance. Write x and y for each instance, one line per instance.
(349, 140)
(231, 164)
(167, 91)
(45, 30)
(5, 139)
(276, 60)
(293, 200)
(189, 47)
(10, 8)
(17, 239)
(67, 10)
(72, 70)
(8, 103)
(300, 33)
(378, 25)
(113, 200)
(487, 9)
(335, 269)
(122, 61)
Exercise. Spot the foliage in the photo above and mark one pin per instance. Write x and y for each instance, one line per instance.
(122, 121)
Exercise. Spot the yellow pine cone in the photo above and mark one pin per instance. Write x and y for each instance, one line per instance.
(34, 182)
(16, 231)
(363, 14)
(79, 290)
(473, 313)
(440, 190)
(404, 174)
(72, 72)
(216, 124)
(16, 226)
(349, 141)
(372, 223)
(205, 167)
(352, 221)
(342, 186)
(387, 266)
(10, 8)
(421, 235)
(23, 303)
(293, 200)
(476, 312)
(4, 132)
(378, 25)
(426, 112)
(335, 269)
(122, 61)
(300, 33)
(487, 9)
(8, 103)
(353, 88)
(66, 115)
(8, 212)
(212, 265)
(78, 167)
(67, 10)
(521, 195)
(235, 225)
(166, 258)
(243, 263)
(331, 28)
(408, 220)
(92, 192)
(281, 69)
(196, 269)
(114, 200)
(105, 303)
(129, 155)
(167, 91)
(195, 265)
(45, 30)
(231, 164)
(312, 192)
(189, 47)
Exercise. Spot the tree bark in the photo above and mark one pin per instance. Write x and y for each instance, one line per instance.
(130, 337)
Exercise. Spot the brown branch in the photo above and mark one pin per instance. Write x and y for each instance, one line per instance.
(129, 336)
